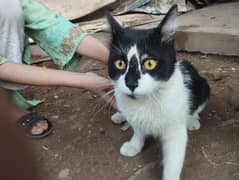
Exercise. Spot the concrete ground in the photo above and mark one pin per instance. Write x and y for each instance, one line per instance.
(213, 29)
(85, 144)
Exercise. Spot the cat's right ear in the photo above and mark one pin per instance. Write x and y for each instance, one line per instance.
(114, 25)
(167, 27)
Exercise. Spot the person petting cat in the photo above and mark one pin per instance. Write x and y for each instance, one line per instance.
(156, 94)
(61, 40)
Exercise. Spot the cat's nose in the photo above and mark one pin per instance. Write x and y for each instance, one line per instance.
(132, 86)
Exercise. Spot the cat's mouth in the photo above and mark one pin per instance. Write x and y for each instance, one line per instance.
(132, 96)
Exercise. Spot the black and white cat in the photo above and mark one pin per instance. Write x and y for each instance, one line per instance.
(157, 95)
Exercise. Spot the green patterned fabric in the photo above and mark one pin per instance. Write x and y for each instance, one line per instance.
(2, 60)
(20, 101)
(58, 37)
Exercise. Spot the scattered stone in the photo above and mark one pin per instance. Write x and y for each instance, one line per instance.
(125, 127)
(233, 96)
(214, 75)
(210, 114)
(68, 147)
(66, 105)
(90, 96)
(102, 131)
(140, 173)
(55, 117)
(45, 148)
(233, 69)
(217, 76)
(56, 97)
(64, 173)
(204, 56)
(213, 111)
(78, 109)
(73, 117)
(229, 122)
(56, 155)
(93, 170)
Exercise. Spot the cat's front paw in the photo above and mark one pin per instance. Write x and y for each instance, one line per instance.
(173, 178)
(117, 118)
(127, 149)
(193, 124)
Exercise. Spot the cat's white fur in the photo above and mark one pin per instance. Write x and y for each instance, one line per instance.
(161, 109)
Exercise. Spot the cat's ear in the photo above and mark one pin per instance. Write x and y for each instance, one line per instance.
(168, 25)
(114, 25)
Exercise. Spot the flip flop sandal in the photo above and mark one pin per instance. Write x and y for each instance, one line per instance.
(30, 120)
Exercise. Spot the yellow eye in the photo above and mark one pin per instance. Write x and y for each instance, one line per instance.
(150, 64)
(119, 64)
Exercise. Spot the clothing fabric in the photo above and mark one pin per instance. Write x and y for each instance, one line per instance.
(11, 35)
(58, 37)
(21, 19)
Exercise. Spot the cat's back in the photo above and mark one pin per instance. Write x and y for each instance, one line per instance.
(197, 85)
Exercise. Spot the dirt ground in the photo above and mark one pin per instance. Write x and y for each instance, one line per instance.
(85, 144)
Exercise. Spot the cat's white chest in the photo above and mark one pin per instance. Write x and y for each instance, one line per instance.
(148, 115)
(140, 115)
(152, 114)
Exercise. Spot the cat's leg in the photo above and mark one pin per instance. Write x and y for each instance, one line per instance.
(134, 146)
(174, 142)
(193, 122)
(117, 118)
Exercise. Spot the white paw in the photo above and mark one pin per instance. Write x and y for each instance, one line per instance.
(193, 124)
(129, 150)
(117, 118)
(171, 178)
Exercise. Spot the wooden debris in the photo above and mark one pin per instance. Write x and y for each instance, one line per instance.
(74, 9)
(129, 20)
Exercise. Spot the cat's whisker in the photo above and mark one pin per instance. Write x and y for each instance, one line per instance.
(107, 93)
(99, 110)
(109, 103)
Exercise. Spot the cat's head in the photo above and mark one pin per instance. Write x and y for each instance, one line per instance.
(141, 61)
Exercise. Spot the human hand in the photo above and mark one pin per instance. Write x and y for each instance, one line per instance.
(100, 86)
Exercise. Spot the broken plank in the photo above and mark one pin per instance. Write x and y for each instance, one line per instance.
(73, 9)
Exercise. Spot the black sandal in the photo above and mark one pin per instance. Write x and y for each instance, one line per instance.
(29, 120)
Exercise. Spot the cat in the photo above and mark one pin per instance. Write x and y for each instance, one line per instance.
(156, 94)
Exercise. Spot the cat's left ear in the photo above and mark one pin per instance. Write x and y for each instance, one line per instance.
(168, 25)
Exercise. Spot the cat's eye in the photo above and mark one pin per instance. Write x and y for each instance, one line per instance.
(120, 64)
(150, 64)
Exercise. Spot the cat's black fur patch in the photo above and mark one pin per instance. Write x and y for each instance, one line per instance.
(133, 75)
(198, 86)
(146, 43)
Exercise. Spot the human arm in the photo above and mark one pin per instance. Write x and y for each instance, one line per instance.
(32, 75)
(59, 38)
(93, 48)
